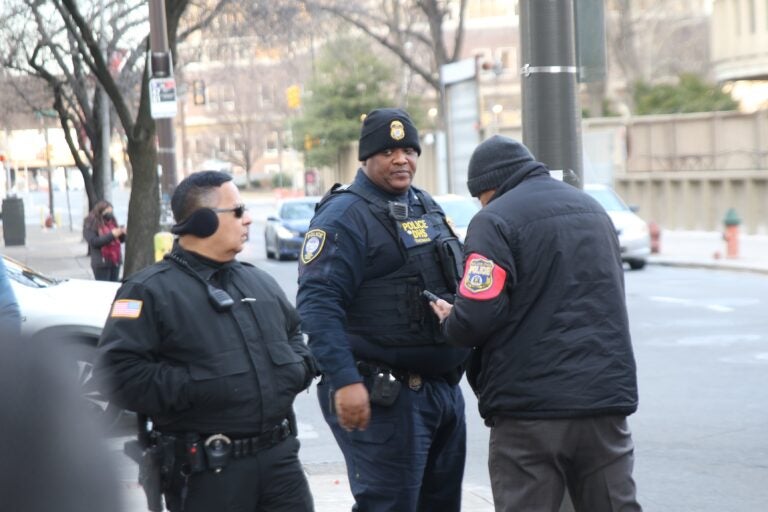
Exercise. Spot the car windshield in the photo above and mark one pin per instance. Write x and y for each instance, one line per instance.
(460, 212)
(296, 211)
(608, 199)
(26, 276)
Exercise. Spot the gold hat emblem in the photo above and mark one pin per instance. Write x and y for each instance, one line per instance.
(396, 130)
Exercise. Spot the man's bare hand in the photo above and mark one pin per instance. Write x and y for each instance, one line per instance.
(441, 308)
(353, 408)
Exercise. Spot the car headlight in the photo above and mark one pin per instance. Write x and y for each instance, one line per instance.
(635, 231)
(283, 232)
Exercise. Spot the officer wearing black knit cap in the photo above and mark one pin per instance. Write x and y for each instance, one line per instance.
(390, 383)
(542, 301)
(387, 128)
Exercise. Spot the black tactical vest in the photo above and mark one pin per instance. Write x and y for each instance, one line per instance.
(390, 310)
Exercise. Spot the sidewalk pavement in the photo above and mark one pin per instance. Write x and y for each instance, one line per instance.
(61, 253)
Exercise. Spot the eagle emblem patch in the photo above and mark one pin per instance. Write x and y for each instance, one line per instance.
(396, 130)
(313, 244)
(483, 279)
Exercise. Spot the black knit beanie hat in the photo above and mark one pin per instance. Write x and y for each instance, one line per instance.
(493, 161)
(386, 128)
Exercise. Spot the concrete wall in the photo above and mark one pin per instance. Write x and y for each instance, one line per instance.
(686, 171)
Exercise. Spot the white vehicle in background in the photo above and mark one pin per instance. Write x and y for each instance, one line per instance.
(459, 210)
(634, 235)
(70, 313)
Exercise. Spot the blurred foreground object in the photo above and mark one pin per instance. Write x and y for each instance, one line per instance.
(53, 457)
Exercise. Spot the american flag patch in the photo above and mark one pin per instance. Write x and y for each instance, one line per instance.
(126, 308)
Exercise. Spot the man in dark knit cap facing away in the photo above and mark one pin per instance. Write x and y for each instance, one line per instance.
(390, 383)
(542, 302)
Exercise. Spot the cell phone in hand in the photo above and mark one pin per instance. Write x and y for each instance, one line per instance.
(431, 297)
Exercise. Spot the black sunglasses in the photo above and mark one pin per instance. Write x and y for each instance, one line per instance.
(238, 210)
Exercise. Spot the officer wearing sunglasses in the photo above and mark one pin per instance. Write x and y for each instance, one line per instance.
(209, 348)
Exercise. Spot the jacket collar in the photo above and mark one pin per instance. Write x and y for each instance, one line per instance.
(529, 170)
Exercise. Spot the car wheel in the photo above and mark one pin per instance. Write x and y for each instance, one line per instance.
(104, 411)
(270, 254)
(636, 264)
(79, 352)
(279, 251)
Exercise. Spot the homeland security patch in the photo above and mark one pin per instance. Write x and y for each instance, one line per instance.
(313, 244)
(483, 279)
(396, 130)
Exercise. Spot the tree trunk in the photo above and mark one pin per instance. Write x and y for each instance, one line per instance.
(101, 177)
(143, 206)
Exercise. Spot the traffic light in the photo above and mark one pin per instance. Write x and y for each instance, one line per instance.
(293, 96)
(198, 92)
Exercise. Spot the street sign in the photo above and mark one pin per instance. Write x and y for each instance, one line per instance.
(162, 97)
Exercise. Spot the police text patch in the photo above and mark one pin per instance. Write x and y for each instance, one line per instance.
(483, 279)
(416, 232)
(126, 308)
(313, 244)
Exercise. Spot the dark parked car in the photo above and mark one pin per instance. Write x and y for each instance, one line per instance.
(284, 231)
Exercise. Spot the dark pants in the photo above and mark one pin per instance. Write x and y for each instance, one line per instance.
(270, 481)
(109, 273)
(532, 462)
(411, 456)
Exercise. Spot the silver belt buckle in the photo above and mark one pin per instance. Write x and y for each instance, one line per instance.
(414, 381)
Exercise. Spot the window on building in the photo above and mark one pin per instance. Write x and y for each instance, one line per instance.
(272, 143)
(267, 94)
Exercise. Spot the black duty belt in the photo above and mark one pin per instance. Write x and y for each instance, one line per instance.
(212, 451)
(411, 379)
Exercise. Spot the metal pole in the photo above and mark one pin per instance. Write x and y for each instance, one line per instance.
(50, 171)
(551, 110)
(166, 152)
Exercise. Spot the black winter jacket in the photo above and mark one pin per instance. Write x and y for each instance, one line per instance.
(542, 300)
(166, 352)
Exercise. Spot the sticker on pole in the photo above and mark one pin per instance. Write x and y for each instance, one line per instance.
(162, 97)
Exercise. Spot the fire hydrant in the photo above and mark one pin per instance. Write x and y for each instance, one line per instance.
(731, 235)
(655, 232)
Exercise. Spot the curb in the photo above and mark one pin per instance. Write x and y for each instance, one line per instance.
(708, 266)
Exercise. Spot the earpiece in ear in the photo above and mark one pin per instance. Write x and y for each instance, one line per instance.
(202, 223)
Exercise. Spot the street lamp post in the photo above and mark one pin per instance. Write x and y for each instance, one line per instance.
(551, 111)
(42, 115)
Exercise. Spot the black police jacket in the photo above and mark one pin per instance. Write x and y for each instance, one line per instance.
(167, 352)
(361, 274)
(542, 300)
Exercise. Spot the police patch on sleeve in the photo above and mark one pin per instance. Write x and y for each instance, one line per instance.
(313, 244)
(126, 308)
(483, 279)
